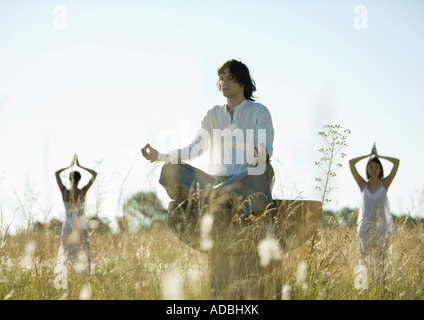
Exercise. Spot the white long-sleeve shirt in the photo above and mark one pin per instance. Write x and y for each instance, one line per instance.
(230, 141)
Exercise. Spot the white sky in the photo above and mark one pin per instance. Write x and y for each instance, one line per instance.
(124, 73)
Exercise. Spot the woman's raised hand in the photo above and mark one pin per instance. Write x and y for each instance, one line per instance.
(374, 150)
(76, 160)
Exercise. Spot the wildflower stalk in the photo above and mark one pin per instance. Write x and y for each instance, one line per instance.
(335, 138)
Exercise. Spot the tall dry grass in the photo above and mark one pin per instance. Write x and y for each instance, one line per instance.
(127, 266)
(154, 264)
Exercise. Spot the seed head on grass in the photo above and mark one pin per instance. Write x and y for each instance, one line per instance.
(81, 263)
(85, 292)
(301, 275)
(206, 224)
(285, 292)
(172, 286)
(269, 251)
(27, 260)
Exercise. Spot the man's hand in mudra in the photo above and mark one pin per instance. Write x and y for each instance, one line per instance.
(150, 153)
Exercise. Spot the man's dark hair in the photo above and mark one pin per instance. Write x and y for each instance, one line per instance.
(240, 72)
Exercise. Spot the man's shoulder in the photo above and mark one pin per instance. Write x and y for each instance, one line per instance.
(213, 113)
(216, 108)
(254, 105)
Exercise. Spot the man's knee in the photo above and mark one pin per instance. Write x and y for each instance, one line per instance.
(168, 173)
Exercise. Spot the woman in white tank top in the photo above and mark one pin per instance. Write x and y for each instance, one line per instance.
(375, 223)
(75, 229)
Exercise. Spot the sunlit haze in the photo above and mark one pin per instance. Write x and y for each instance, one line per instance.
(101, 79)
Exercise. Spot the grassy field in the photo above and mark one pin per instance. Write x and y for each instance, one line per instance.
(154, 264)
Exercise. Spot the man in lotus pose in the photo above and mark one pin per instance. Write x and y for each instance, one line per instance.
(240, 168)
(239, 135)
